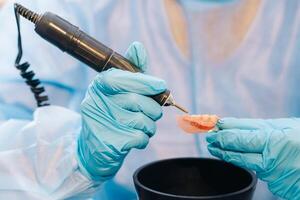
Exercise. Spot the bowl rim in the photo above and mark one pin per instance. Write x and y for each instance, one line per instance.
(249, 187)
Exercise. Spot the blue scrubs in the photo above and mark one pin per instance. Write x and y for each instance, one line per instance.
(258, 79)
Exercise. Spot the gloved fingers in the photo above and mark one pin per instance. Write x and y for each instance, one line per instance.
(103, 105)
(138, 121)
(137, 139)
(117, 136)
(137, 54)
(250, 161)
(248, 141)
(115, 81)
(284, 123)
(237, 123)
(95, 102)
(138, 103)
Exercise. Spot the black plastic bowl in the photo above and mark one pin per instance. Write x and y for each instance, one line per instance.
(193, 178)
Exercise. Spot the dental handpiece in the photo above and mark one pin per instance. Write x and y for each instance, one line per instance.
(88, 50)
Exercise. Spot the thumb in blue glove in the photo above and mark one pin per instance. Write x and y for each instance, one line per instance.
(269, 147)
(117, 115)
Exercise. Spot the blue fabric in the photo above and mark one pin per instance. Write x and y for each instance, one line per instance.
(260, 78)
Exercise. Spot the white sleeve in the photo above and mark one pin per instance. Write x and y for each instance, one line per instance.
(38, 158)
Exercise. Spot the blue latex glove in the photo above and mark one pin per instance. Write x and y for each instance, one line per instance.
(269, 147)
(117, 116)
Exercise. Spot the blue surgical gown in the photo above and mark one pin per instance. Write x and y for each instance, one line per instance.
(258, 79)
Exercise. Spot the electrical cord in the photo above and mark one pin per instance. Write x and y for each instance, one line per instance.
(28, 75)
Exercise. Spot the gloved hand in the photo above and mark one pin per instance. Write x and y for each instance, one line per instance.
(269, 147)
(117, 116)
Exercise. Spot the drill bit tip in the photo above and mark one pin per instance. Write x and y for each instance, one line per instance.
(181, 108)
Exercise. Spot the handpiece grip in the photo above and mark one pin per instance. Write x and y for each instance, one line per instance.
(83, 47)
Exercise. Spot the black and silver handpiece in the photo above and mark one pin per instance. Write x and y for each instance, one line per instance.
(80, 45)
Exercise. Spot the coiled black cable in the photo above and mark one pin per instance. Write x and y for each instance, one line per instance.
(34, 83)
